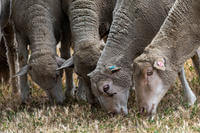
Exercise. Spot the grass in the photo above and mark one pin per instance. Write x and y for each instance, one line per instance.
(38, 116)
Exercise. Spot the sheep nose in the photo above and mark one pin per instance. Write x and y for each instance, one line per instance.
(119, 111)
(124, 111)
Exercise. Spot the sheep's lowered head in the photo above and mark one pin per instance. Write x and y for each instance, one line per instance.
(110, 84)
(153, 78)
(43, 71)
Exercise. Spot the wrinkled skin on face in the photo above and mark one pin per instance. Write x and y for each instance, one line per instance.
(150, 87)
(110, 91)
(43, 71)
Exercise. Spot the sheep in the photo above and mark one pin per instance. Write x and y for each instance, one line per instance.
(177, 40)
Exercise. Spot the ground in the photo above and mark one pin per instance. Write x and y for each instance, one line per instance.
(38, 116)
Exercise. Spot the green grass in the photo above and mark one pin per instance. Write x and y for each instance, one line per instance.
(174, 115)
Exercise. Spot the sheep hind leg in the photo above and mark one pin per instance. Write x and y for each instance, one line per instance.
(22, 59)
(189, 96)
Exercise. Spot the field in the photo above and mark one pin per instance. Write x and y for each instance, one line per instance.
(38, 116)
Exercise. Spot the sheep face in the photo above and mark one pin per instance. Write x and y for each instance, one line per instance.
(150, 87)
(110, 90)
(42, 70)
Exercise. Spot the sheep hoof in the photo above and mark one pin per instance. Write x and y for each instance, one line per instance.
(190, 99)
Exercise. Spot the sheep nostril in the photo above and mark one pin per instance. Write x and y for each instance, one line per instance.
(106, 88)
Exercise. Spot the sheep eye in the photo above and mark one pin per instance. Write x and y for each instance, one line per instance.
(106, 88)
(149, 73)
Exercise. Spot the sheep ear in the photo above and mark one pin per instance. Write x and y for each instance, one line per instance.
(66, 63)
(113, 68)
(23, 71)
(160, 64)
(91, 74)
(60, 60)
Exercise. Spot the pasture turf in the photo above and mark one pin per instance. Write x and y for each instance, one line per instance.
(38, 116)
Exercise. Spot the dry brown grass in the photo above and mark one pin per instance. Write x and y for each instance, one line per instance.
(38, 116)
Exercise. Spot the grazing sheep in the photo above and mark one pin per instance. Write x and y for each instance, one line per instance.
(177, 40)
(90, 21)
(135, 23)
(41, 24)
